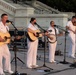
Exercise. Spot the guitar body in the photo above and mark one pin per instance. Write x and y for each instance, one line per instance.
(32, 37)
(6, 37)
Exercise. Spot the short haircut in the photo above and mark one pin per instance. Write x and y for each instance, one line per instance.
(32, 19)
(73, 17)
(51, 22)
(3, 15)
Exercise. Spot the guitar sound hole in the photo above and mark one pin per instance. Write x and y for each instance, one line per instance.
(5, 38)
(37, 34)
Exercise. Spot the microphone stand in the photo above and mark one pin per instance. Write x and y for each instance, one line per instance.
(64, 60)
(15, 50)
(44, 65)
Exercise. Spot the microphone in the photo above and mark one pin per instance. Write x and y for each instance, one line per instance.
(61, 28)
(35, 23)
(55, 25)
(41, 28)
(8, 21)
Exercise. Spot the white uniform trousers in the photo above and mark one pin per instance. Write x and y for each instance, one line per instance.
(72, 45)
(52, 48)
(4, 53)
(32, 53)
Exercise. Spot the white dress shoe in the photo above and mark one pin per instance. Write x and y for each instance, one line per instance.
(29, 67)
(34, 66)
(2, 73)
(53, 62)
(70, 56)
(8, 71)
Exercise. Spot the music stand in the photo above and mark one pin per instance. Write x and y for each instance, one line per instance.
(15, 53)
(44, 65)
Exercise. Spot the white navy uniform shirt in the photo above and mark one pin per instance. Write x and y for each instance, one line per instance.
(71, 26)
(32, 27)
(53, 30)
(3, 28)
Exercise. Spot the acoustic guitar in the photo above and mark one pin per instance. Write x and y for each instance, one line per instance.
(6, 37)
(32, 37)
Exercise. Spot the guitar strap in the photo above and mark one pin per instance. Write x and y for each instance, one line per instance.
(55, 33)
(7, 29)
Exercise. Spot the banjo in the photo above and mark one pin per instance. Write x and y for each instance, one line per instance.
(51, 38)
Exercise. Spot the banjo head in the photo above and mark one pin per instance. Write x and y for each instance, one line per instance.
(52, 38)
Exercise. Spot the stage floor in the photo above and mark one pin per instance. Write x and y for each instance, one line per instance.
(58, 68)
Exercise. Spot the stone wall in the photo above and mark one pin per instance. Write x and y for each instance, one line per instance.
(43, 20)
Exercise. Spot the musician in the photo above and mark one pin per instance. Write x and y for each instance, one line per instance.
(4, 50)
(52, 46)
(71, 27)
(32, 45)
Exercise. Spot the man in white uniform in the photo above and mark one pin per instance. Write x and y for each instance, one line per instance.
(32, 45)
(52, 46)
(4, 50)
(72, 31)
